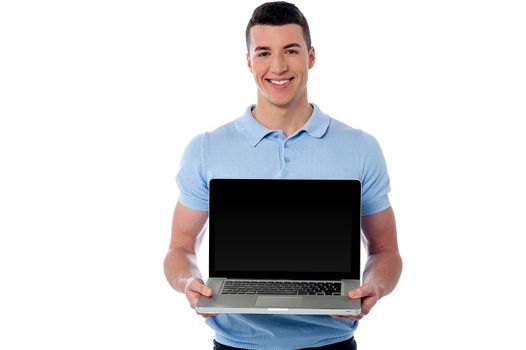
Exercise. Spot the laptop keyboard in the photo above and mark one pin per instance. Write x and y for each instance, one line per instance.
(281, 287)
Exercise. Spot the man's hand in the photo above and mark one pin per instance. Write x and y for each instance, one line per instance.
(195, 287)
(384, 263)
(369, 294)
(180, 264)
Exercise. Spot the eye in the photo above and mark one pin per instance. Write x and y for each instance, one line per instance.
(263, 54)
(292, 52)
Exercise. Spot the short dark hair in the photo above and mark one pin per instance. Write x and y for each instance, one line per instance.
(278, 13)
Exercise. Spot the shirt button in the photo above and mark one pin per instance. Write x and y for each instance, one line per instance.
(287, 159)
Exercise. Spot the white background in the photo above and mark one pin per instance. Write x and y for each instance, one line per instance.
(99, 98)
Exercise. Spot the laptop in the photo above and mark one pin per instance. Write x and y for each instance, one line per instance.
(283, 246)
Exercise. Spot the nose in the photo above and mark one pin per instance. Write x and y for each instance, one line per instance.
(279, 65)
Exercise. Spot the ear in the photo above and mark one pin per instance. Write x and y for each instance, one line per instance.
(249, 63)
(312, 57)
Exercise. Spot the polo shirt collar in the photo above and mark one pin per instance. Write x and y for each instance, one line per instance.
(318, 122)
(254, 132)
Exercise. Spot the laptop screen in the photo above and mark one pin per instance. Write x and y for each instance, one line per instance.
(285, 228)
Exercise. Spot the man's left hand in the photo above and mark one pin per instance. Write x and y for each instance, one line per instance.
(369, 294)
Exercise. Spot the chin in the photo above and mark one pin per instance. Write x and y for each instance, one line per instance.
(280, 101)
(281, 104)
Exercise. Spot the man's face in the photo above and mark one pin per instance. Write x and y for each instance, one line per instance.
(279, 60)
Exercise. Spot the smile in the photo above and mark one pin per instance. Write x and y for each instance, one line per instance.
(282, 82)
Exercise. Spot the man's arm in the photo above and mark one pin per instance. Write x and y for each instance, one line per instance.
(180, 264)
(384, 264)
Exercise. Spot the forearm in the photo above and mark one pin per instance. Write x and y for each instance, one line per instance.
(383, 271)
(179, 267)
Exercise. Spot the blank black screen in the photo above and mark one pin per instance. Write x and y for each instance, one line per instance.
(283, 226)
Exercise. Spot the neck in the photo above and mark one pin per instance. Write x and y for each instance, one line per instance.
(286, 118)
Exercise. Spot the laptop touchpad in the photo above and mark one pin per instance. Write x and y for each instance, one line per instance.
(279, 301)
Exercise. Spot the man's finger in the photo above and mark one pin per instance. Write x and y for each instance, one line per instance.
(206, 291)
(344, 317)
(202, 288)
(361, 292)
(356, 293)
(197, 285)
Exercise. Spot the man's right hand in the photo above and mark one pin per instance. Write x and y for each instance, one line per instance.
(180, 264)
(195, 287)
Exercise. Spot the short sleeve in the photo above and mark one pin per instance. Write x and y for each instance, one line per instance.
(191, 179)
(375, 179)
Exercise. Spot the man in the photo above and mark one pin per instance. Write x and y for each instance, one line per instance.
(283, 136)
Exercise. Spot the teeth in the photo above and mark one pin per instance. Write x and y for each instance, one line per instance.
(279, 82)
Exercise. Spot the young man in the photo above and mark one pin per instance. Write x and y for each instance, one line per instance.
(283, 136)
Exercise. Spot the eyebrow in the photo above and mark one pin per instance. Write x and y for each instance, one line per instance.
(266, 48)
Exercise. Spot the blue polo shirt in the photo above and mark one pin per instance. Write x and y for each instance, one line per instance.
(324, 148)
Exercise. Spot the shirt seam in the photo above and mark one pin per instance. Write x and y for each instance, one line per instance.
(362, 158)
(202, 159)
